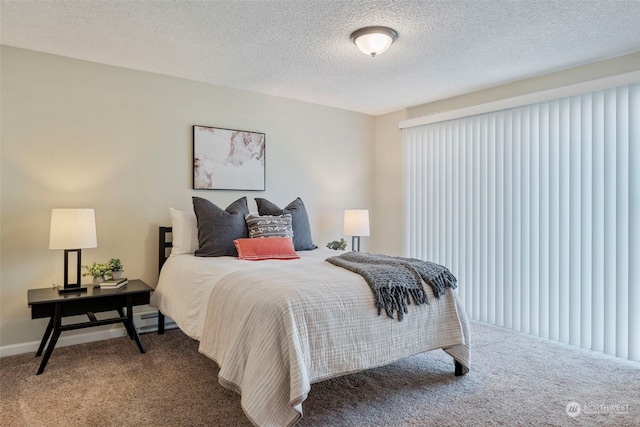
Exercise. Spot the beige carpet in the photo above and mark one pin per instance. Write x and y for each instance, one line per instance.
(514, 380)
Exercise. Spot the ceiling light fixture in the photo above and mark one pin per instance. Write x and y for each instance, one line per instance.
(374, 40)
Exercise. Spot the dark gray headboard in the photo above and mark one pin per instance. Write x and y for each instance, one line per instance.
(164, 243)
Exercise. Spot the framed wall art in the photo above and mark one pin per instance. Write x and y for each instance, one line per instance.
(228, 159)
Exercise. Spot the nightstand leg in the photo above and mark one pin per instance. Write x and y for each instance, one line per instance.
(126, 324)
(57, 322)
(45, 338)
(160, 323)
(131, 326)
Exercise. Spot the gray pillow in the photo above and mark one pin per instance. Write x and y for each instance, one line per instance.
(302, 240)
(269, 226)
(217, 228)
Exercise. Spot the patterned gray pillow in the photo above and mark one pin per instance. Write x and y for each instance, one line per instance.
(269, 225)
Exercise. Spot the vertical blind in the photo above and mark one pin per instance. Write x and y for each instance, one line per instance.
(536, 210)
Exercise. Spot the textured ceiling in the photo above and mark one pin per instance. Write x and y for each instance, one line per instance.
(301, 49)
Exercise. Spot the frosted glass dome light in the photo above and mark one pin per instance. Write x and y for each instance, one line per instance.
(374, 40)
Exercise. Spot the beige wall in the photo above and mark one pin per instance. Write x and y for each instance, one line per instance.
(80, 134)
(386, 217)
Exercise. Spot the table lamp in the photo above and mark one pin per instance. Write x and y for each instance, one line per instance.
(72, 230)
(356, 224)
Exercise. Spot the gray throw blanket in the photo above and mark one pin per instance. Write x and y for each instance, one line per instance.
(395, 280)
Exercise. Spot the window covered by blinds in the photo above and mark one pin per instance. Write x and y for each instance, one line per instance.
(536, 210)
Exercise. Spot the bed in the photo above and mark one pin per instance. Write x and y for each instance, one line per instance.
(274, 327)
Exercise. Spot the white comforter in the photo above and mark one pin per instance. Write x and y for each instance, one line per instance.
(186, 282)
(276, 328)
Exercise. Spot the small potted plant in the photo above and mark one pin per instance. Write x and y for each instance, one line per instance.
(115, 268)
(337, 245)
(98, 271)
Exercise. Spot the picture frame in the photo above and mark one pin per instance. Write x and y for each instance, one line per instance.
(228, 159)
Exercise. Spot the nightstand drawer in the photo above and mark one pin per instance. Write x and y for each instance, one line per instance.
(83, 306)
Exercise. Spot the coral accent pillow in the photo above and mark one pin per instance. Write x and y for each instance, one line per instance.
(265, 248)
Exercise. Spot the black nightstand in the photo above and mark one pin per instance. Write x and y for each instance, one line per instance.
(47, 302)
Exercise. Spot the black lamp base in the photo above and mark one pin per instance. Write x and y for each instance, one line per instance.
(71, 290)
(355, 243)
(72, 287)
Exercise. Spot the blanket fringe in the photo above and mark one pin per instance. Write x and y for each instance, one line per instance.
(398, 298)
(440, 283)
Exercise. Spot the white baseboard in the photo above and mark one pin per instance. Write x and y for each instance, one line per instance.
(145, 322)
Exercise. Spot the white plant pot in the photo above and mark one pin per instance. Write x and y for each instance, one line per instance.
(116, 274)
(98, 280)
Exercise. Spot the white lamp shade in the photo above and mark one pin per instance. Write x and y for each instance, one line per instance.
(72, 229)
(356, 222)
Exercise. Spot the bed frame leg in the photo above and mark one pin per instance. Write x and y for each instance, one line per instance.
(161, 324)
(458, 371)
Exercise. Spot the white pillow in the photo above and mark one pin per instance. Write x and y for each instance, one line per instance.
(184, 232)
